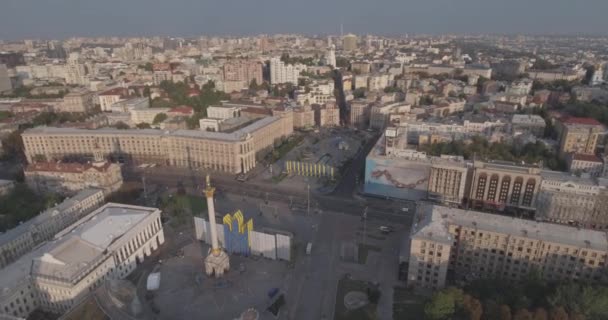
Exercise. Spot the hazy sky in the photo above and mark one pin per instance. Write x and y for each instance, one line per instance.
(65, 18)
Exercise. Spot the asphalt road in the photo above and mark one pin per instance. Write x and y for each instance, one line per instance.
(384, 209)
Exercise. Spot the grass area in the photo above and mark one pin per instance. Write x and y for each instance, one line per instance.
(345, 286)
(285, 147)
(364, 250)
(182, 207)
(407, 305)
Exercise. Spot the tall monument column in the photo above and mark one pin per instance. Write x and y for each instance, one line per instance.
(217, 261)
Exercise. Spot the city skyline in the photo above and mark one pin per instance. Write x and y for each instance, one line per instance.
(189, 18)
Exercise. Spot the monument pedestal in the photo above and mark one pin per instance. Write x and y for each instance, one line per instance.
(216, 263)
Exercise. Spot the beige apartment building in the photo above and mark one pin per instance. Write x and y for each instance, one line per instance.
(359, 114)
(244, 71)
(499, 185)
(77, 101)
(326, 115)
(579, 135)
(303, 117)
(18, 241)
(67, 178)
(474, 245)
(449, 181)
(106, 244)
(232, 152)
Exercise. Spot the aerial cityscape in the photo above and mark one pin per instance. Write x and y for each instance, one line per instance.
(352, 173)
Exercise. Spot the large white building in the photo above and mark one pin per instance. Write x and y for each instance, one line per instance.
(284, 73)
(18, 241)
(108, 243)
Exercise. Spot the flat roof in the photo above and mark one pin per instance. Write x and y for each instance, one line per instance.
(436, 220)
(237, 135)
(87, 242)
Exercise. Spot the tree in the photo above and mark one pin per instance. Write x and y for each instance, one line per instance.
(505, 312)
(342, 62)
(472, 307)
(209, 85)
(160, 118)
(442, 306)
(540, 314)
(121, 125)
(522, 314)
(12, 146)
(359, 93)
(558, 313)
(143, 125)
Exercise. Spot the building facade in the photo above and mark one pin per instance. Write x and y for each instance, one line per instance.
(474, 245)
(499, 185)
(579, 135)
(284, 73)
(568, 199)
(68, 178)
(232, 152)
(77, 101)
(243, 70)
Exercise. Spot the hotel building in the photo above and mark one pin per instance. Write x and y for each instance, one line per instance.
(471, 245)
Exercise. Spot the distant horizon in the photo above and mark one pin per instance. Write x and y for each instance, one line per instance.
(312, 35)
(61, 19)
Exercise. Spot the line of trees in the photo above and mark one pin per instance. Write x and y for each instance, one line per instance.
(480, 148)
(531, 299)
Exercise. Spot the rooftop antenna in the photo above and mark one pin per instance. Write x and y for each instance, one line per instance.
(342, 28)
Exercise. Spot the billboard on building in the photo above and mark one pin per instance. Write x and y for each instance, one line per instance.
(397, 178)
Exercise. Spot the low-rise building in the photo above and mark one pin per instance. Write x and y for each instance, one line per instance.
(528, 123)
(68, 178)
(107, 243)
(589, 164)
(474, 245)
(565, 198)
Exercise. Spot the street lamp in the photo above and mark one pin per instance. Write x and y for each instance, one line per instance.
(364, 217)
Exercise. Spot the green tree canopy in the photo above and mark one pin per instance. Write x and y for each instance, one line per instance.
(160, 118)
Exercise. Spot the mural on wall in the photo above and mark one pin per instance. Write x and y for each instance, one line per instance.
(396, 178)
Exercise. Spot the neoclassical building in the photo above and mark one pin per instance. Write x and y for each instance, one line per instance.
(232, 152)
(108, 243)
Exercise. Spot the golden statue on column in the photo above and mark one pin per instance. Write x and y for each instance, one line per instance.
(217, 261)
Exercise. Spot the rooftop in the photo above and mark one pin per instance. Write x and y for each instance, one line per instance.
(88, 241)
(581, 121)
(586, 157)
(436, 220)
